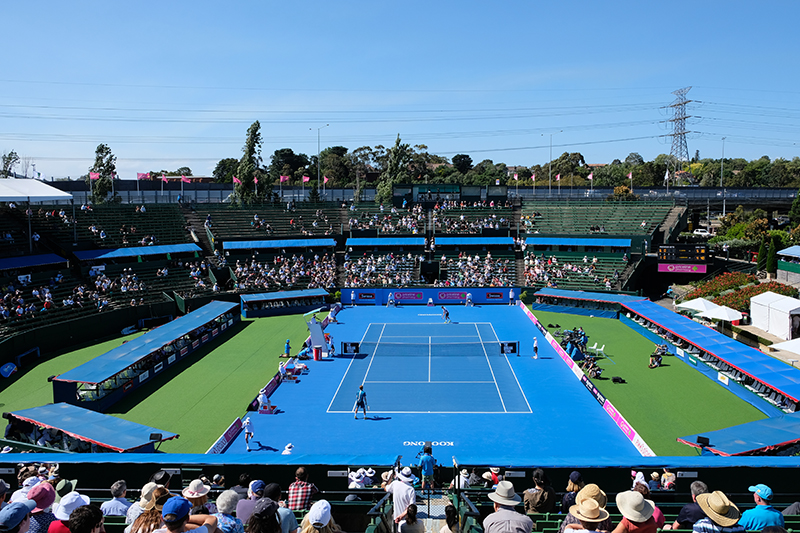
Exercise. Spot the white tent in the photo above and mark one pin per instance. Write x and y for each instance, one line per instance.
(722, 313)
(698, 304)
(789, 346)
(781, 314)
(759, 309)
(23, 190)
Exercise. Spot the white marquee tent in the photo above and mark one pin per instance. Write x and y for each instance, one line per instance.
(23, 190)
(776, 314)
(759, 309)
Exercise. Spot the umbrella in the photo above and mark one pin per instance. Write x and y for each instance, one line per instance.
(698, 304)
(723, 313)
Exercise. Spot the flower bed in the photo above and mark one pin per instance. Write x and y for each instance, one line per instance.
(724, 282)
(740, 299)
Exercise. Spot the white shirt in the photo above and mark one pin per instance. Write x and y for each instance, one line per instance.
(403, 495)
(247, 426)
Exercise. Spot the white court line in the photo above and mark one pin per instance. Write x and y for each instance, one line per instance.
(328, 410)
(437, 412)
(491, 370)
(512, 370)
(439, 382)
(429, 359)
(372, 358)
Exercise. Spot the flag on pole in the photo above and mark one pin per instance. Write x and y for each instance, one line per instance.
(185, 179)
(325, 179)
(558, 177)
(666, 176)
(591, 176)
(237, 180)
(164, 178)
(142, 176)
(533, 177)
(630, 175)
(516, 177)
(284, 179)
(306, 179)
(255, 179)
(94, 175)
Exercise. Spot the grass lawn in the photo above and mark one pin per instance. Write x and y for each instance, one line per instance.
(198, 401)
(663, 403)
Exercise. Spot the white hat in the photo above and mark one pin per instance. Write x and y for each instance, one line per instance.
(147, 491)
(370, 472)
(320, 514)
(406, 475)
(196, 489)
(633, 506)
(70, 502)
(504, 494)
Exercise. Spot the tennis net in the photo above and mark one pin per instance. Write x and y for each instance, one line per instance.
(434, 347)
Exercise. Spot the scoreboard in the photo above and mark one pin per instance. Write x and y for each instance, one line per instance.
(683, 258)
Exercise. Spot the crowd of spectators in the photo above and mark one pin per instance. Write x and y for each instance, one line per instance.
(540, 269)
(284, 272)
(475, 271)
(464, 223)
(19, 300)
(387, 269)
(389, 221)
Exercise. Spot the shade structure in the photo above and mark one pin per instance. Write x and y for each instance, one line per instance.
(722, 313)
(698, 304)
(789, 346)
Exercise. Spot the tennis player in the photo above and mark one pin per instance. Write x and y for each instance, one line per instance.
(445, 315)
(248, 431)
(361, 401)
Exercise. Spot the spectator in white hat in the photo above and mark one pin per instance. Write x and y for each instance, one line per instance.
(505, 519)
(319, 519)
(197, 494)
(69, 502)
(137, 507)
(402, 492)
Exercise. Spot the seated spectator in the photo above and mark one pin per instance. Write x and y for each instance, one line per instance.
(658, 516)
(245, 506)
(151, 518)
(589, 515)
(763, 514)
(118, 505)
(450, 520)
(301, 490)
(637, 513)
(319, 519)
(541, 498)
(175, 514)
(722, 516)
(411, 524)
(138, 506)
(589, 492)
(197, 494)
(226, 506)
(286, 517)
(44, 494)
(15, 518)
(70, 502)
(265, 517)
(574, 484)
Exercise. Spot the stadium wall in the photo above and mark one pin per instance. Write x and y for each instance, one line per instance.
(420, 296)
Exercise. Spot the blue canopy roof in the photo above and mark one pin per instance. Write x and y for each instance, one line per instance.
(283, 295)
(30, 260)
(591, 296)
(113, 253)
(474, 241)
(793, 251)
(106, 430)
(111, 363)
(561, 241)
(386, 241)
(760, 435)
(282, 243)
(759, 366)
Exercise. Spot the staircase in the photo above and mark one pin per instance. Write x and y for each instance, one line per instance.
(198, 231)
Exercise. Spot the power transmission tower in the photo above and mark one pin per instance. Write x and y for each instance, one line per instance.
(679, 150)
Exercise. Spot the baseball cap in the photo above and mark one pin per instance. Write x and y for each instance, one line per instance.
(12, 515)
(762, 490)
(3, 487)
(320, 514)
(178, 506)
(575, 477)
(257, 486)
(265, 507)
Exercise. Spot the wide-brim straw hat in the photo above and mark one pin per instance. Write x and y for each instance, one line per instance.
(588, 511)
(592, 491)
(196, 489)
(504, 494)
(718, 508)
(406, 475)
(633, 506)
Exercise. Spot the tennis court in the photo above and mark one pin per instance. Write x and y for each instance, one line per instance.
(424, 368)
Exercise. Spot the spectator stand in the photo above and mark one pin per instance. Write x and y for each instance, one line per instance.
(75, 429)
(103, 381)
(473, 261)
(383, 261)
(282, 302)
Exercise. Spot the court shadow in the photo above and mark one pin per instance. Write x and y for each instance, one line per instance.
(356, 356)
(263, 448)
(379, 418)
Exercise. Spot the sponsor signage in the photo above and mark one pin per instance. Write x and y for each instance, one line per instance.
(205, 337)
(158, 368)
(494, 295)
(679, 352)
(127, 386)
(693, 360)
(214, 332)
(144, 375)
(408, 295)
(422, 443)
(682, 268)
(195, 344)
(227, 437)
(591, 388)
(184, 351)
(722, 378)
(452, 295)
(367, 296)
(337, 473)
(170, 359)
(223, 326)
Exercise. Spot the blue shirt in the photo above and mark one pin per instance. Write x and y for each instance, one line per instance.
(761, 516)
(426, 463)
(288, 348)
(115, 507)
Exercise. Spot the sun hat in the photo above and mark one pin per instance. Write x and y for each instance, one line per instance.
(487, 476)
(64, 487)
(226, 502)
(43, 470)
(70, 502)
(718, 508)
(575, 477)
(494, 470)
(592, 491)
(44, 495)
(157, 499)
(195, 489)
(465, 472)
(12, 515)
(504, 494)
(7, 449)
(386, 476)
(633, 506)
(357, 476)
(588, 511)
(654, 476)
(161, 477)
(370, 472)
(762, 490)
(406, 475)
(177, 506)
(218, 479)
(265, 507)
(320, 514)
(147, 491)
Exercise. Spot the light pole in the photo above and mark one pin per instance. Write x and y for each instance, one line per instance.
(721, 171)
(318, 130)
(550, 165)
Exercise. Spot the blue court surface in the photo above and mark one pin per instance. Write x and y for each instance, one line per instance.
(444, 383)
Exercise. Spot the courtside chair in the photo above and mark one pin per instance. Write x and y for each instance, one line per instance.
(592, 348)
(601, 351)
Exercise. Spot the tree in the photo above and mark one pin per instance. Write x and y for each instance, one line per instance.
(313, 194)
(105, 164)
(184, 171)
(397, 170)
(462, 163)
(10, 160)
(634, 159)
(249, 164)
(335, 164)
(284, 162)
(225, 170)
(772, 257)
(761, 262)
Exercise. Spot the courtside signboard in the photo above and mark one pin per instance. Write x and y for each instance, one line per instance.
(637, 441)
(226, 438)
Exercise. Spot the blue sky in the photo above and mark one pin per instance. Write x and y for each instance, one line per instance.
(170, 84)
